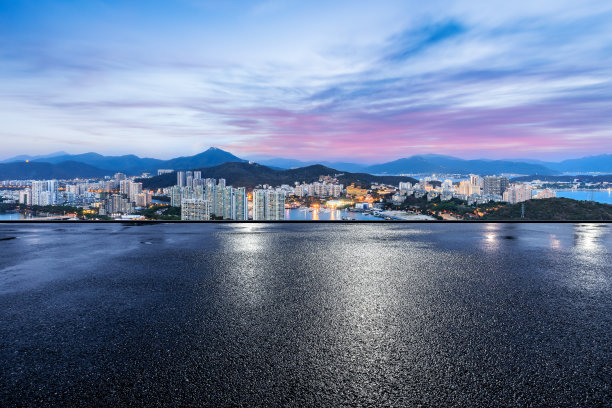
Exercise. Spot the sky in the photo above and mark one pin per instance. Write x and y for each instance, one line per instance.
(367, 81)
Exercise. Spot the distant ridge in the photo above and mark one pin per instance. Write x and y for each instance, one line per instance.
(25, 157)
(133, 165)
(252, 174)
(45, 171)
(437, 164)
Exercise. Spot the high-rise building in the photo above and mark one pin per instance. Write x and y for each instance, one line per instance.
(495, 185)
(176, 194)
(44, 192)
(181, 180)
(117, 204)
(25, 196)
(546, 193)
(124, 187)
(476, 180)
(447, 185)
(195, 209)
(404, 186)
(164, 171)
(468, 188)
(143, 199)
(268, 205)
(518, 193)
(241, 204)
(135, 189)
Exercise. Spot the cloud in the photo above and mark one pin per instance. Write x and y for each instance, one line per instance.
(310, 80)
(414, 41)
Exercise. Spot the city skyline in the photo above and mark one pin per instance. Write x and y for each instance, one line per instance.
(318, 81)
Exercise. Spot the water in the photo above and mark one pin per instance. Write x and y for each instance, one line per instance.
(11, 216)
(598, 196)
(314, 315)
(327, 215)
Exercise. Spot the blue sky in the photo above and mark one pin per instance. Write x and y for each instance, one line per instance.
(356, 80)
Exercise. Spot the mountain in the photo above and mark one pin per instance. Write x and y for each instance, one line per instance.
(591, 164)
(132, 165)
(418, 164)
(241, 174)
(211, 157)
(414, 164)
(45, 171)
(293, 163)
(451, 165)
(129, 164)
(25, 157)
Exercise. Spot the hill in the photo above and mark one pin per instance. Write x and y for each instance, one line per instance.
(292, 163)
(25, 157)
(439, 164)
(46, 171)
(554, 209)
(208, 158)
(418, 164)
(134, 165)
(591, 164)
(240, 174)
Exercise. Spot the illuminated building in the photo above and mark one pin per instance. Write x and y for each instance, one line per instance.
(356, 191)
(25, 196)
(116, 204)
(518, 193)
(143, 199)
(268, 205)
(44, 192)
(468, 188)
(195, 209)
(495, 185)
(546, 193)
(181, 179)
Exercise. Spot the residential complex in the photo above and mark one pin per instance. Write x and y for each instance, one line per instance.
(196, 198)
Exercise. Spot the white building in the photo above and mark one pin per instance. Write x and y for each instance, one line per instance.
(268, 205)
(44, 192)
(25, 196)
(195, 209)
(404, 187)
(518, 193)
(546, 193)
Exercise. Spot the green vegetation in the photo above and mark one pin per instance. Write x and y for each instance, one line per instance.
(436, 206)
(554, 209)
(161, 212)
(241, 174)
(7, 207)
(55, 209)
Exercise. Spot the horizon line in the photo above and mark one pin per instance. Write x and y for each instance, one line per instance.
(304, 161)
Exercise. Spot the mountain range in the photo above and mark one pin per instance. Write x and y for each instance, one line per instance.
(251, 174)
(134, 165)
(63, 165)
